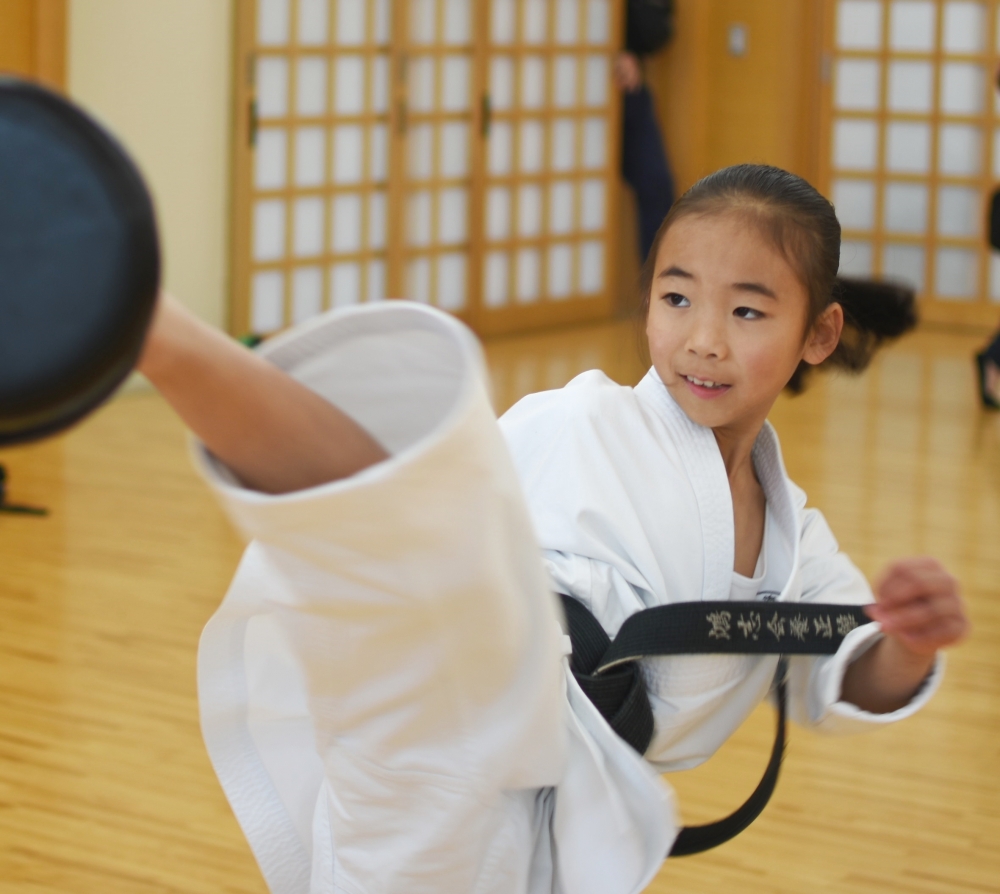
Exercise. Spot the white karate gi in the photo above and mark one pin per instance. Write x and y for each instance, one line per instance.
(384, 690)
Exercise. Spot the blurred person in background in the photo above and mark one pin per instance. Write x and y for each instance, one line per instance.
(988, 360)
(649, 27)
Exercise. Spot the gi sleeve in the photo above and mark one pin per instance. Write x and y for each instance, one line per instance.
(815, 683)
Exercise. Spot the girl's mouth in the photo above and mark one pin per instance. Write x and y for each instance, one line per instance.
(705, 388)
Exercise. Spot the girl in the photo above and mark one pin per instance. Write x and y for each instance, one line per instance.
(384, 690)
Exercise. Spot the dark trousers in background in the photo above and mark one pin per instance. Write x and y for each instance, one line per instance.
(993, 351)
(644, 165)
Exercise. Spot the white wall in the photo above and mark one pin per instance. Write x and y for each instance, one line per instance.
(158, 74)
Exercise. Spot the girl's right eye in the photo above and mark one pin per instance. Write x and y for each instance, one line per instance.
(675, 300)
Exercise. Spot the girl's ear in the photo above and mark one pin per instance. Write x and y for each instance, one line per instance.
(824, 335)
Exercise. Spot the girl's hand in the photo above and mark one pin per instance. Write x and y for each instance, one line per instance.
(918, 605)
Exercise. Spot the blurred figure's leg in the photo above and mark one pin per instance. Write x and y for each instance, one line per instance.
(989, 374)
(644, 165)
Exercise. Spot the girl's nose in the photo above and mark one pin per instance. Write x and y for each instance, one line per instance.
(707, 338)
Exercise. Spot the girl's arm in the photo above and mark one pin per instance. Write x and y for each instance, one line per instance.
(274, 433)
(920, 610)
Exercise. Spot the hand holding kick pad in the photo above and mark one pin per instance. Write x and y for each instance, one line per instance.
(79, 263)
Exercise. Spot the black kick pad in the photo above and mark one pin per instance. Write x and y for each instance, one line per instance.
(79, 262)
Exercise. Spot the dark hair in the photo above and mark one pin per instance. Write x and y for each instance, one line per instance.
(803, 226)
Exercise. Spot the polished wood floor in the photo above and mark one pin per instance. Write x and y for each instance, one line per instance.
(104, 783)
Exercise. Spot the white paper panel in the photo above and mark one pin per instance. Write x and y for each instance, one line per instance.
(454, 146)
(423, 21)
(592, 216)
(346, 224)
(963, 88)
(307, 293)
(376, 281)
(310, 156)
(528, 275)
(533, 24)
(421, 81)
(905, 208)
(348, 153)
(421, 146)
(349, 85)
(854, 201)
(908, 147)
(503, 21)
(560, 271)
(855, 258)
(564, 82)
(497, 213)
(859, 24)
(420, 280)
(958, 212)
(532, 135)
(270, 158)
(598, 22)
(452, 216)
(591, 277)
(420, 208)
(964, 27)
(350, 22)
(272, 22)
(501, 148)
(311, 86)
(345, 284)
(596, 81)
(911, 86)
(378, 162)
(960, 150)
(267, 302)
(455, 80)
(956, 273)
(567, 22)
(856, 85)
(502, 82)
(377, 221)
(451, 281)
(496, 279)
(307, 237)
(314, 23)
(854, 144)
(383, 22)
(905, 262)
(594, 143)
(457, 25)
(561, 208)
(529, 210)
(532, 82)
(272, 87)
(912, 25)
(380, 84)
(563, 145)
(994, 276)
(269, 230)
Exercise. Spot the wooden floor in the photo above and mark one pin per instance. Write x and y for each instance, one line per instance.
(104, 783)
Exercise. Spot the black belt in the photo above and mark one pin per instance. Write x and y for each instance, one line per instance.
(607, 672)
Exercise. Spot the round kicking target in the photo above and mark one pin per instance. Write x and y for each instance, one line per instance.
(79, 262)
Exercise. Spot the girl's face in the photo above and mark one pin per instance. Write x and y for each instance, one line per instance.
(727, 322)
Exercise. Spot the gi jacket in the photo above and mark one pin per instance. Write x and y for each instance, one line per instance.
(384, 690)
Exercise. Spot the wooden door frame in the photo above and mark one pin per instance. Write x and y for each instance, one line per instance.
(44, 59)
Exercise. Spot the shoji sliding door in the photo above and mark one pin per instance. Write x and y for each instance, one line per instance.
(912, 146)
(312, 160)
(461, 153)
(551, 160)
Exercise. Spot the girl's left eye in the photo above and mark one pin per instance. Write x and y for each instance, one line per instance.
(748, 313)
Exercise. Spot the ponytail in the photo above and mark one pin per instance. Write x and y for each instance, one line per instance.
(874, 312)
